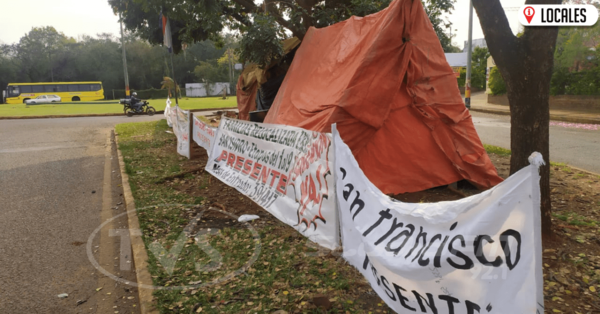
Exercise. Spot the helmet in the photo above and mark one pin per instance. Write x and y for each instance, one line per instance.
(134, 94)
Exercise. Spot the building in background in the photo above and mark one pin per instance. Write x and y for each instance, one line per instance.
(476, 43)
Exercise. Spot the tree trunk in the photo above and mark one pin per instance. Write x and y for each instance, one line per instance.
(526, 66)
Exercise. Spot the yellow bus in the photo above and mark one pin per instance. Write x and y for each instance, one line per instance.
(17, 93)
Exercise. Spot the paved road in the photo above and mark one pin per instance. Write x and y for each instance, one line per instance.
(577, 147)
(51, 186)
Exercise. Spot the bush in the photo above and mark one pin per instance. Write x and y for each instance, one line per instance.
(496, 82)
(586, 82)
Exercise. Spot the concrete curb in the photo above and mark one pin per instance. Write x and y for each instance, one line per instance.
(140, 255)
(554, 117)
(101, 115)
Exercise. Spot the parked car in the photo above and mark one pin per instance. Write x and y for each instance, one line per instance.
(43, 99)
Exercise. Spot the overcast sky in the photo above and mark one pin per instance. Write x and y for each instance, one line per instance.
(91, 17)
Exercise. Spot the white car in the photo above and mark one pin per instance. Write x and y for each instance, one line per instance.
(43, 99)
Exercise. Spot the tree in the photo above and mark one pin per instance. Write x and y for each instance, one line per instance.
(525, 63)
(270, 21)
(38, 51)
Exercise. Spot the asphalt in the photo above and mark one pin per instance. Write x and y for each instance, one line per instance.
(479, 104)
(51, 185)
(574, 146)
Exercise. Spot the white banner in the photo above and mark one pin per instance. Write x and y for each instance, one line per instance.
(284, 169)
(181, 128)
(204, 134)
(481, 254)
(169, 113)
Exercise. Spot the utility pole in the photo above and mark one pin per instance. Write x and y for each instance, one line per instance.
(469, 53)
(124, 59)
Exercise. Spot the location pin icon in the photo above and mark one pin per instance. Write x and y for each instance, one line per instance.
(529, 12)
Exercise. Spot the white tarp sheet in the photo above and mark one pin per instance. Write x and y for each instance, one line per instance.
(480, 254)
(284, 169)
(204, 134)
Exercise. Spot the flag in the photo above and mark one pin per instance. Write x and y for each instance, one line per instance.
(166, 30)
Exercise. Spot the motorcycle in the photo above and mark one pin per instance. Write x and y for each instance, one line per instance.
(130, 111)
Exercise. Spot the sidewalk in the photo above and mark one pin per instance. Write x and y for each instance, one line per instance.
(479, 104)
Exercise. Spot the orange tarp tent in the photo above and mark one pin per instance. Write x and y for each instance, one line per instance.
(385, 81)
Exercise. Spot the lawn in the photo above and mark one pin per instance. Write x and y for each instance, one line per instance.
(74, 108)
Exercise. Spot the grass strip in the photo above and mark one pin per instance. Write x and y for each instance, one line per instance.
(289, 274)
(75, 108)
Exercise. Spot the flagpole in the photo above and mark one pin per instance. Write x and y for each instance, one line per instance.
(174, 80)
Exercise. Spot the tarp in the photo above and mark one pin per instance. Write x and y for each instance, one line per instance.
(385, 81)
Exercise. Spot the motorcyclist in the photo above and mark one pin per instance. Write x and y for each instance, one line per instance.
(136, 103)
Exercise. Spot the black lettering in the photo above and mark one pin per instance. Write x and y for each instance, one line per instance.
(438, 254)
(565, 15)
(543, 20)
(468, 262)
(346, 194)
(402, 298)
(384, 214)
(343, 174)
(404, 233)
(374, 271)
(359, 204)
(388, 291)
(472, 307)
(583, 17)
(392, 229)
(450, 300)
(366, 262)
(425, 262)
(506, 248)
(420, 235)
(421, 299)
(478, 246)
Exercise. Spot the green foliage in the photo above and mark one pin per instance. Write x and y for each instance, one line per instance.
(577, 61)
(478, 67)
(45, 54)
(496, 82)
(261, 44)
(491, 149)
(211, 71)
(268, 23)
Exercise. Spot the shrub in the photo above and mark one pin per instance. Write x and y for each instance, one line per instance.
(496, 82)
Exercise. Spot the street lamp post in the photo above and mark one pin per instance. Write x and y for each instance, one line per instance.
(469, 53)
(124, 59)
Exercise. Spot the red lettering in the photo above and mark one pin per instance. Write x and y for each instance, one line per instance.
(239, 163)
(247, 166)
(231, 160)
(255, 171)
(275, 176)
(264, 175)
(281, 186)
(222, 157)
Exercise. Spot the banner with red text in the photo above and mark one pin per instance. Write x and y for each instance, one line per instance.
(204, 134)
(480, 254)
(284, 169)
(181, 127)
